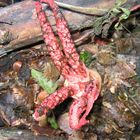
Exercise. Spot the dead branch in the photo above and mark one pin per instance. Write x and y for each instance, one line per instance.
(19, 27)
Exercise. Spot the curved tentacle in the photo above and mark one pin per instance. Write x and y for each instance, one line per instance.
(52, 101)
(81, 107)
(63, 31)
(76, 109)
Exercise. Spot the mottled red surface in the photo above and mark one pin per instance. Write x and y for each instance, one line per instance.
(78, 83)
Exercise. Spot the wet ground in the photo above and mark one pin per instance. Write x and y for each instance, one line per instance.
(116, 113)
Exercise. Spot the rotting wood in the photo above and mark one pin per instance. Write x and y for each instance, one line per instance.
(19, 20)
(19, 134)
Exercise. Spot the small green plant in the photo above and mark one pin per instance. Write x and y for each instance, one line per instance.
(53, 122)
(86, 57)
(117, 11)
(124, 14)
(48, 85)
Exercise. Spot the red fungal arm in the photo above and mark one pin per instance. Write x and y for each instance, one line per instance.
(49, 38)
(52, 101)
(64, 34)
(76, 109)
(83, 105)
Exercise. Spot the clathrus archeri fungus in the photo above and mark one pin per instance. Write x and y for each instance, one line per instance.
(79, 84)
